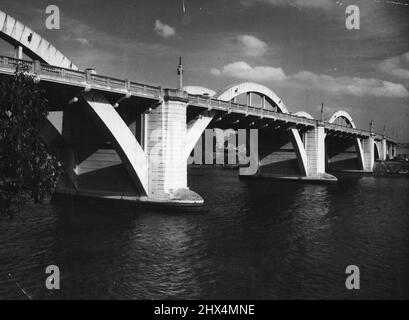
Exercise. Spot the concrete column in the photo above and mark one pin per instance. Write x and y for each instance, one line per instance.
(18, 53)
(383, 150)
(315, 149)
(166, 137)
(368, 150)
(140, 130)
(249, 98)
(390, 151)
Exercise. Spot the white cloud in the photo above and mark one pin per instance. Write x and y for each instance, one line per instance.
(87, 46)
(397, 67)
(77, 31)
(252, 46)
(324, 4)
(349, 85)
(242, 70)
(83, 41)
(164, 30)
(308, 80)
(215, 72)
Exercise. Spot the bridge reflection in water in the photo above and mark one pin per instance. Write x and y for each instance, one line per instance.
(251, 239)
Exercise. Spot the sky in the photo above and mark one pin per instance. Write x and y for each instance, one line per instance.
(300, 49)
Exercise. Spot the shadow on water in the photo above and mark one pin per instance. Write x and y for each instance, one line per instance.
(253, 239)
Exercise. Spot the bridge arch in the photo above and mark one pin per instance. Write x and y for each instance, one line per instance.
(344, 115)
(32, 44)
(199, 90)
(232, 91)
(303, 114)
(347, 117)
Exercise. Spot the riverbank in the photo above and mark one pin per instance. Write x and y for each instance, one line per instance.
(400, 168)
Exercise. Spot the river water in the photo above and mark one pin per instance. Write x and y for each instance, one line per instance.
(254, 239)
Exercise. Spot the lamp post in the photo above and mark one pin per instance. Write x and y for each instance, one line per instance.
(180, 74)
(322, 112)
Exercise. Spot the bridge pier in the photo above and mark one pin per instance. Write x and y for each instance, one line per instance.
(315, 150)
(166, 132)
(383, 150)
(389, 151)
(106, 156)
(369, 153)
(280, 156)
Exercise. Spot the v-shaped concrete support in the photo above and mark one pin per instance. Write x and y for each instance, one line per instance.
(194, 130)
(125, 143)
(300, 151)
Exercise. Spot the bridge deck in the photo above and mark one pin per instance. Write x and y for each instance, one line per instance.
(86, 79)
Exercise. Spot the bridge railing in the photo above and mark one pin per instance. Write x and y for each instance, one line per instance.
(86, 78)
(7, 63)
(228, 106)
(346, 129)
(81, 78)
(60, 73)
(358, 132)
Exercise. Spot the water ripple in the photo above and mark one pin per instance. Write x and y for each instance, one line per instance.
(252, 240)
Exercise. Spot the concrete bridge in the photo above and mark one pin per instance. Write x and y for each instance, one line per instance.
(125, 140)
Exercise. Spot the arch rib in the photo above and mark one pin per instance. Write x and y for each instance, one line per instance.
(232, 91)
(346, 115)
(304, 114)
(35, 46)
(342, 114)
(198, 90)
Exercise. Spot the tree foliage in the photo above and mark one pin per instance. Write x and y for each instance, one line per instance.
(27, 170)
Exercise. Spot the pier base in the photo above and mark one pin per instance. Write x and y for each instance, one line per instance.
(315, 149)
(166, 129)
